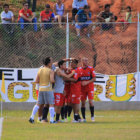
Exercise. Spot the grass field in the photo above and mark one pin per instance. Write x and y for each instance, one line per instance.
(109, 125)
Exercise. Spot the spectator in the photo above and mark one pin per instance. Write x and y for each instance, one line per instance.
(106, 16)
(128, 17)
(76, 5)
(59, 10)
(7, 18)
(26, 16)
(83, 20)
(47, 16)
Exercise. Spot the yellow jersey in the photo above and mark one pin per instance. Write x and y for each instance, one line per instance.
(44, 79)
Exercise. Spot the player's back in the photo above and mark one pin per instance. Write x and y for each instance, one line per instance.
(44, 80)
(59, 84)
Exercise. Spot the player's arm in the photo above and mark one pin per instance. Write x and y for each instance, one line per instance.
(37, 81)
(70, 80)
(52, 77)
(62, 74)
(84, 83)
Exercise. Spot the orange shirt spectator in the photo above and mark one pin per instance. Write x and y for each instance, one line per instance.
(26, 13)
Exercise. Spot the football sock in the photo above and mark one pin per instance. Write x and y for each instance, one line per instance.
(92, 111)
(76, 117)
(66, 110)
(45, 113)
(62, 113)
(52, 113)
(79, 118)
(35, 109)
(69, 110)
(83, 109)
(57, 116)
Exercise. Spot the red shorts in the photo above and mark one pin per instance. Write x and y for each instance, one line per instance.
(37, 91)
(85, 94)
(75, 99)
(59, 99)
(67, 97)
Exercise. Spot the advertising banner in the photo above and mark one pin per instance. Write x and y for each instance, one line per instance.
(18, 85)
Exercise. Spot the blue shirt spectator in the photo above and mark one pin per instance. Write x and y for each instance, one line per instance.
(82, 16)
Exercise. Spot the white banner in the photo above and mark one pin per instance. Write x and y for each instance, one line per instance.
(18, 86)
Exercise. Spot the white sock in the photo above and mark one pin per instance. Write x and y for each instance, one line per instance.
(52, 113)
(35, 109)
(39, 118)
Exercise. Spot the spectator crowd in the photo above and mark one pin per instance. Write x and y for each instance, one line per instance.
(81, 17)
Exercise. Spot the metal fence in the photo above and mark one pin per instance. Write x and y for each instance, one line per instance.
(110, 49)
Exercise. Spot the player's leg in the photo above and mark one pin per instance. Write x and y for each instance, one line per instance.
(59, 101)
(91, 105)
(40, 113)
(50, 100)
(83, 105)
(45, 113)
(36, 107)
(63, 113)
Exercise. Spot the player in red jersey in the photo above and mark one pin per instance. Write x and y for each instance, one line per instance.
(87, 88)
(75, 90)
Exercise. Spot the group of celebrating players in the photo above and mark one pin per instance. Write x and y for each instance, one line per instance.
(61, 89)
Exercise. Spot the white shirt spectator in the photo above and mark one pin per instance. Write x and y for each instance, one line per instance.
(78, 4)
(8, 15)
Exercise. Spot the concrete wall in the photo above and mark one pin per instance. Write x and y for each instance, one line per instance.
(98, 106)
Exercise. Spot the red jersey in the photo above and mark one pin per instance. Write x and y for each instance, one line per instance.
(87, 74)
(76, 87)
(27, 13)
(46, 16)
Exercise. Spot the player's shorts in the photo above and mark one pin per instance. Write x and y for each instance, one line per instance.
(59, 99)
(85, 94)
(46, 97)
(80, 26)
(37, 93)
(75, 99)
(68, 99)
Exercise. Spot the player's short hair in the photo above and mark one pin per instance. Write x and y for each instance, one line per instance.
(47, 60)
(60, 63)
(75, 61)
(6, 5)
(107, 5)
(24, 3)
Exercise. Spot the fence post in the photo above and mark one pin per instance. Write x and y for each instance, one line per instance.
(67, 39)
(138, 57)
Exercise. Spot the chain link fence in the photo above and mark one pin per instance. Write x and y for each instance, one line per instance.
(26, 48)
(110, 48)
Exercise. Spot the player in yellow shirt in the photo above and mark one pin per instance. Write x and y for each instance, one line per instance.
(44, 80)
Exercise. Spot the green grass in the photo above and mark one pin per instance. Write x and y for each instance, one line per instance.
(109, 125)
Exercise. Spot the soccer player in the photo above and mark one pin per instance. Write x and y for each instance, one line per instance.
(59, 92)
(44, 80)
(67, 106)
(75, 90)
(87, 89)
